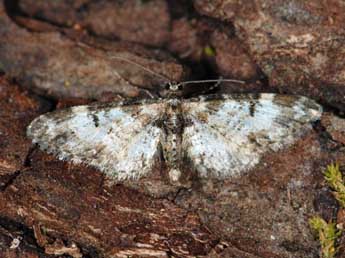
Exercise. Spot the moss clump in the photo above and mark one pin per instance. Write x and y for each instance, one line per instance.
(327, 232)
(209, 51)
(327, 235)
(335, 180)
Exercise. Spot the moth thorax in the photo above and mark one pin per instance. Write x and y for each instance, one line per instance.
(174, 175)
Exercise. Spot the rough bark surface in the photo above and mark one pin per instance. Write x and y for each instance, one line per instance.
(54, 65)
(80, 51)
(299, 45)
(149, 23)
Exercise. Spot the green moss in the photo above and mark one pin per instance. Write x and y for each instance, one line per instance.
(335, 180)
(209, 51)
(327, 234)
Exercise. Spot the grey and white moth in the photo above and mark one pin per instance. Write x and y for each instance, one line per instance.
(216, 136)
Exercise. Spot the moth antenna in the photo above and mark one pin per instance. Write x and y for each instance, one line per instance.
(140, 66)
(121, 78)
(217, 83)
(128, 61)
(149, 94)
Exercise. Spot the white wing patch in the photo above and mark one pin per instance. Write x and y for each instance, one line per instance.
(227, 136)
(120, 141)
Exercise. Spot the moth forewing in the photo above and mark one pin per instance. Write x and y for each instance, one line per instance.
(229, 134)
(119, 140)
(220, 135)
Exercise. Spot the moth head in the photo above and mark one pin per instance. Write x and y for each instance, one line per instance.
(173, 89)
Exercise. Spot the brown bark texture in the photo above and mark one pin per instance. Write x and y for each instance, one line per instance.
(56, 54)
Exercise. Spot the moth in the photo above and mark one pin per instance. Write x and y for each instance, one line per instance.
(216, 136)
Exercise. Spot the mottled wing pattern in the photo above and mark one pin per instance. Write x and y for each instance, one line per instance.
(226, 136)
(121, 141)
